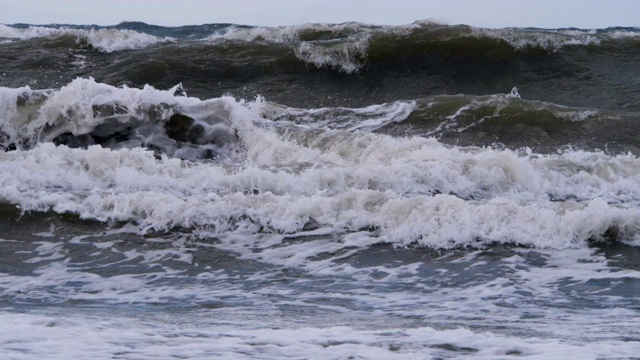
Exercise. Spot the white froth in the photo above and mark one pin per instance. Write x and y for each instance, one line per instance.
(71, 109)
(9, 32)
(368, 118)
(414, 190)
(30, 335)
(287, 34)
(105, 40)
(624, 34)
(110, 40)
(347, 56)
(552, 41)
(361, 190)
(533, 301)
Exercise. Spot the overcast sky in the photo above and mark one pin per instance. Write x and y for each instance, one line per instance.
(483, 13)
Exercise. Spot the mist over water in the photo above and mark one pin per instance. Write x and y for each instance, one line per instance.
(324, 190)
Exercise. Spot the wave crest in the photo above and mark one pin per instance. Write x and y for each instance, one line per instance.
(105, 40)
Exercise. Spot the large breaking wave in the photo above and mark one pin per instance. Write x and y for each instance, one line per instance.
(158, 159)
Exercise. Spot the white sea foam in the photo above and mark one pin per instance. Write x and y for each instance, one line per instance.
(110, 40)
(552, 41)
(624, 34)
(71, 109)
(412, 189)
(362, 182)
(80, 61)
(9, 32)
(293, 33)
(346, 50)
(367, 118)
(504, 295)
(347, 56)
(30, 335)
(459, 312)
(105, 40)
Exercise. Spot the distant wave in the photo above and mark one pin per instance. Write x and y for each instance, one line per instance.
(105, 40)
(350, 46)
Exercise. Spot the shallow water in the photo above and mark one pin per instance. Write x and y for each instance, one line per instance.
(75, 288)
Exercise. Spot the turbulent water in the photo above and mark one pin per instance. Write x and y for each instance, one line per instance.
(325, 191)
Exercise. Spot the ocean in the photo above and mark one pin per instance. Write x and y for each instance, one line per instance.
(321, 191)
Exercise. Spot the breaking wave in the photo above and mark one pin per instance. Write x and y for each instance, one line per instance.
(159, 159)
(105, 40)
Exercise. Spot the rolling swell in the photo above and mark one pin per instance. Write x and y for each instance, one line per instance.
(349, 64)
(508, 120)
(503, 120)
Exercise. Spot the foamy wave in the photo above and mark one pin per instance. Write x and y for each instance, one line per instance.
(344, 182)
(110, 40)
(552, 41)
(624, 34)
(340, 46)
(277, 35)
(9, 32)
(412, 190)
(105, 40)
(312, 32)
(287, 34)
(346, 46)
(131, 185)
(346, 56)
(367, 118)
(72, 108)
(345, 49)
